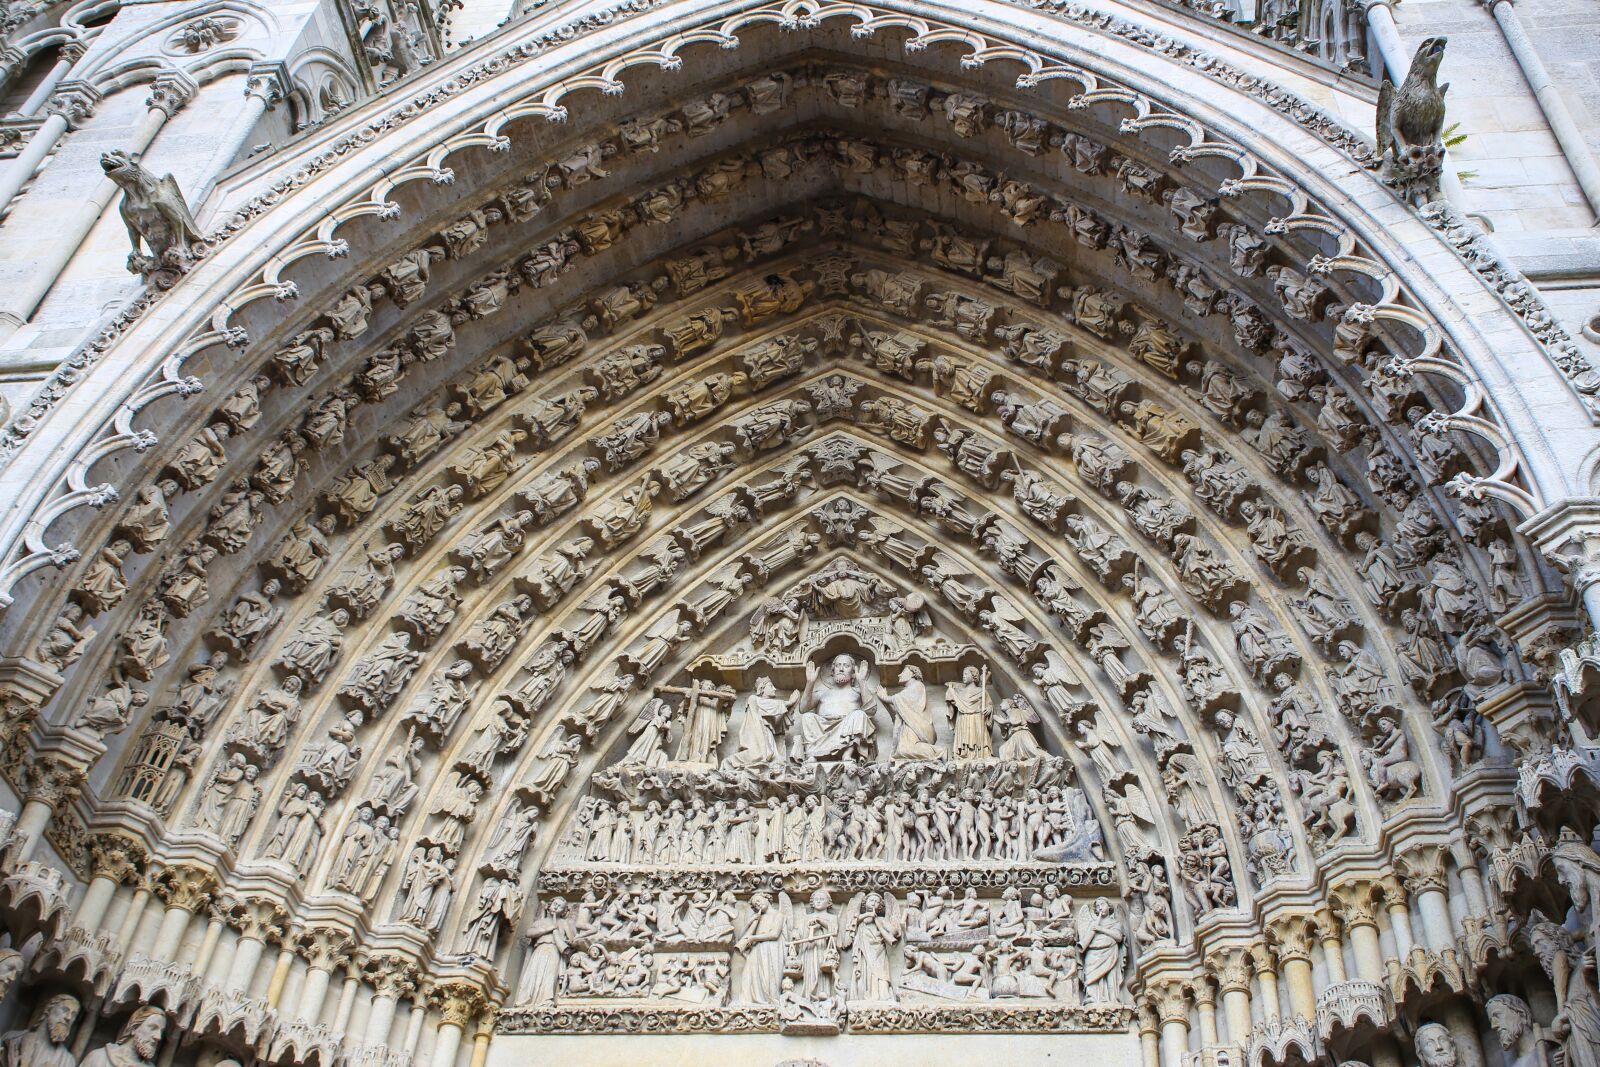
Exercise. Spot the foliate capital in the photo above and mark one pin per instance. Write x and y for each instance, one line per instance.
(185, 886)
(1356, 903)
(1423, 869)
(1292, 938)
(118, 858)
(459, 1002)
(170, 92)
(74, 101)
(1232, 968)
(267, 82)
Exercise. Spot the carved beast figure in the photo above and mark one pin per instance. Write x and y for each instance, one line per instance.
(153, 209)
(1411, 126)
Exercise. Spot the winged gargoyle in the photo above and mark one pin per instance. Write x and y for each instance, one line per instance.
(1411, 126)
(154, 211)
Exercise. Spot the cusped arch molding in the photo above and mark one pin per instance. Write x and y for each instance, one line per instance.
(484, 457)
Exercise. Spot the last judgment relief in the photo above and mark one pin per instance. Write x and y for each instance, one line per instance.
(841, 820)
(891, 533)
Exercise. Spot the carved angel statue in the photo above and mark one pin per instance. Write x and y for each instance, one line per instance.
(553, 766)
(775, 626)
(871, 927)
(1017, 718)
(499, 906)
(649, 731)
(1135, 821)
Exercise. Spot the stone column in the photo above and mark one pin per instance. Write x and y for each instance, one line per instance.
(1574, 148)
(1267, 979)
(113, 861)
(392, 977)
(1424, 877)
(265, 88)
(1233, 978)
(130, 921)
(167, 95)
(66, 56)
(459, 1003)
(1149, 1036)
(325, 951)
(1204, 990)
(280, 970)
(1326, 928)
(207, 951)
(51, 781)
(68, 109)
(1471, 879)
(256, 919)
(481, 1038)
(184, 890)
(1355, 902)
(347, 999)
(1293, 940)
(1172, 1008)
(1394, 902)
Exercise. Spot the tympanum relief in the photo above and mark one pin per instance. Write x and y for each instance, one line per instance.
(841, 820)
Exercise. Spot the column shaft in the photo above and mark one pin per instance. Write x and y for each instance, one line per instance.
(22, 166)
(1174, 1044)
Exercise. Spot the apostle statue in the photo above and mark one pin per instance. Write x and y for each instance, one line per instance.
(969, 703)
(137, 1042)
(913, 719)
(44, 1043)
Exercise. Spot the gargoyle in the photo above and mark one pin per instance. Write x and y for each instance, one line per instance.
(1411, 127)
(153, 209)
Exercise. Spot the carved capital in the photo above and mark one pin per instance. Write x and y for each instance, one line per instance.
(170, 92)
(74, 101)
(1292, 938)
(116, 857)
(1325, 926)
(391, 975)
(1392, 892)
(72, 51)
(1263, 960)
(325, 948)
(1356, 903)
(52, 780)
(1491, 830)
(459, 1002)
(267, 82)
(1423, 869)
(259, 918)
(185, 886)
(25, 686)
(1232, 970)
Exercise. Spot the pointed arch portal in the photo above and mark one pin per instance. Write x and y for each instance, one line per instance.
(464, 530)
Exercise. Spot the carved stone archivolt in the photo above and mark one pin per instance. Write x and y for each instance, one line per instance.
(950, 562)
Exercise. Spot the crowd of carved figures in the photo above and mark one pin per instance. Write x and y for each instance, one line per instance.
(363, 750)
